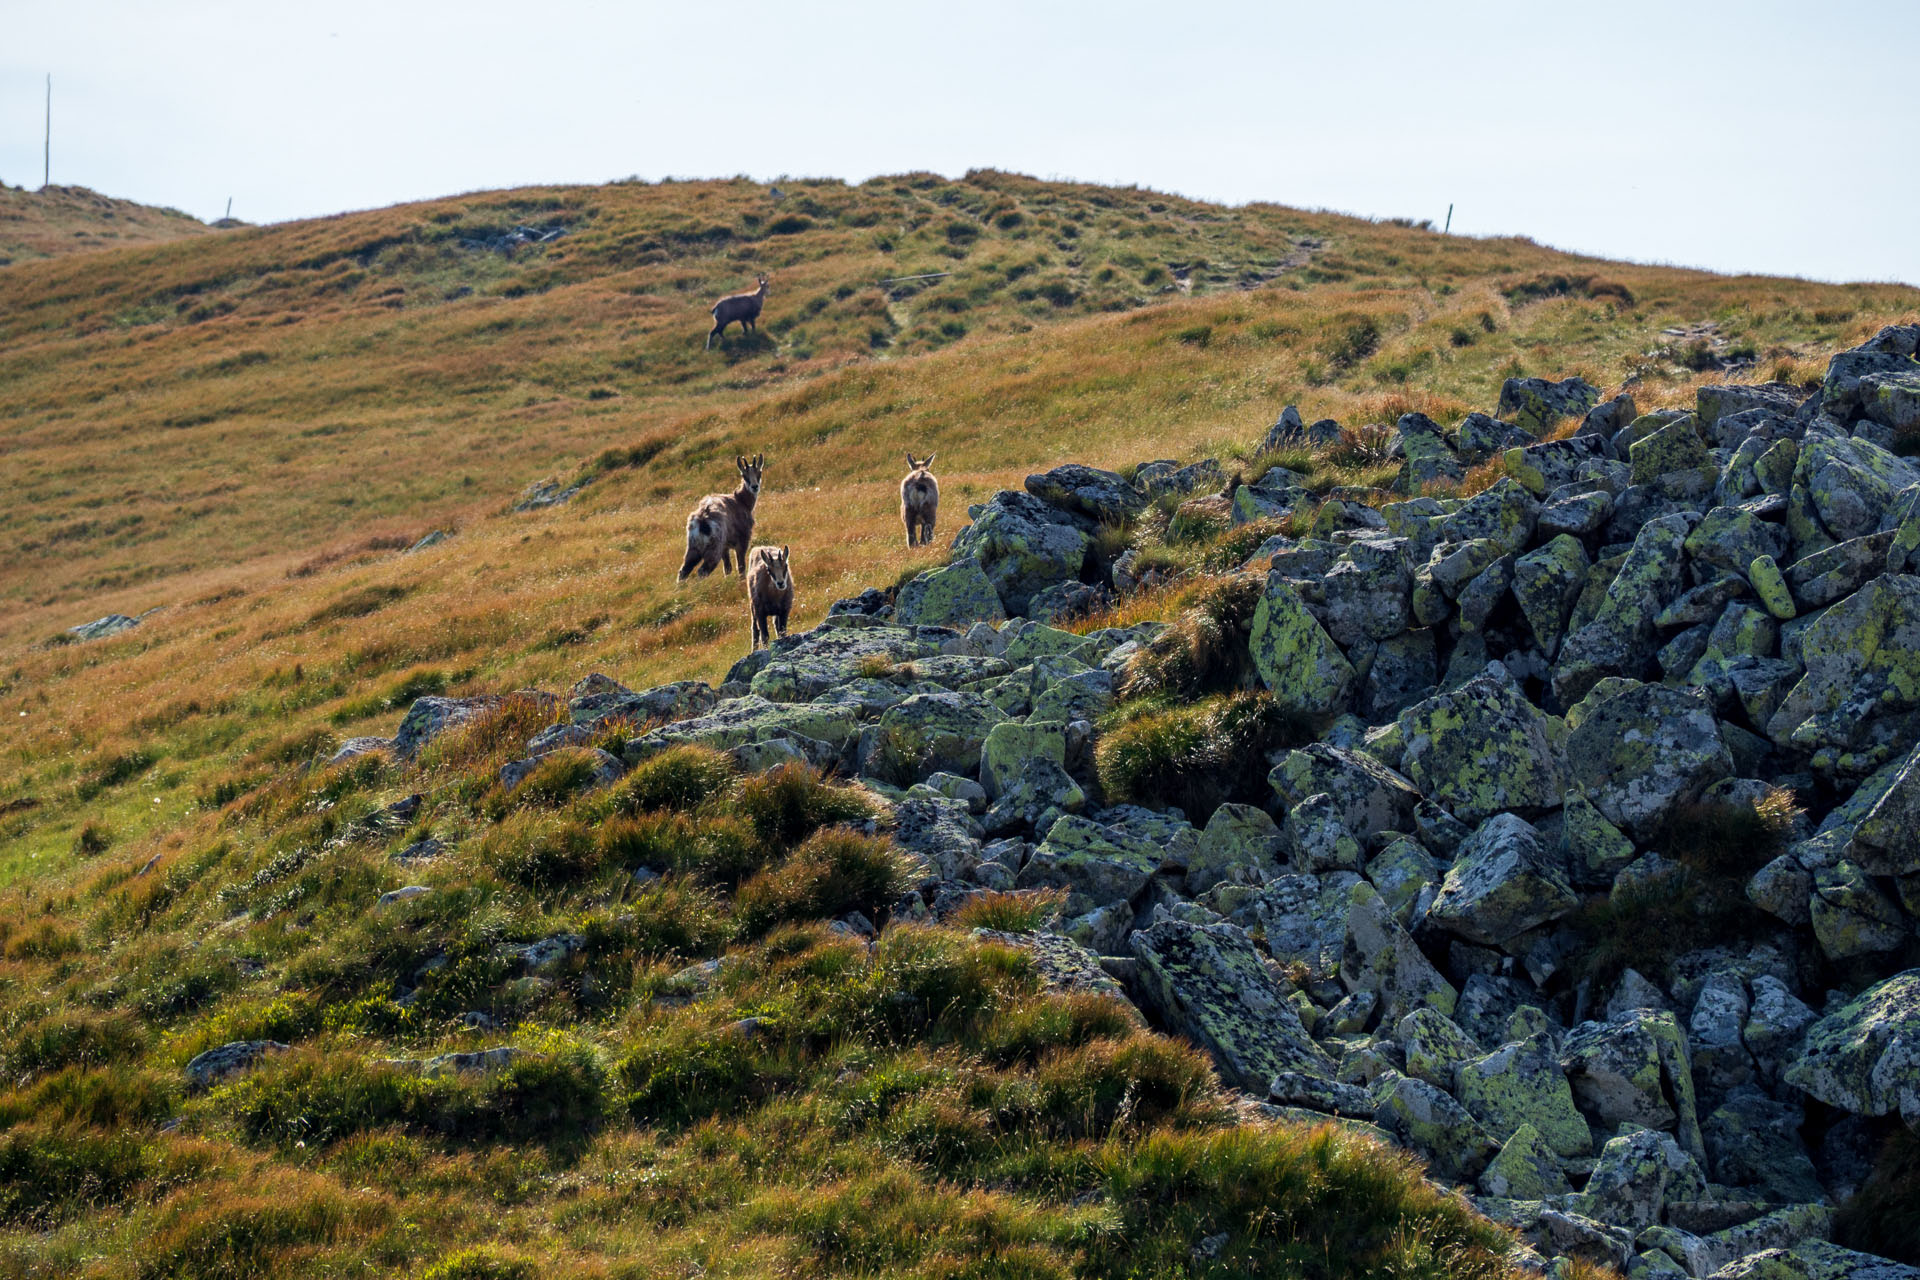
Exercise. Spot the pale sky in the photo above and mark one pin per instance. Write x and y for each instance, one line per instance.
(1766, 137)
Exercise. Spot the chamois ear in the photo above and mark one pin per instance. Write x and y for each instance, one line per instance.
(928, 462)
(911, 464)
(786, 552)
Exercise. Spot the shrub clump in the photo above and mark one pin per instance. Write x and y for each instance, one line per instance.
(1021, 911)
(680, 778)
(832, 873)
(1205, 649)
(790, 803)
(1196, 757)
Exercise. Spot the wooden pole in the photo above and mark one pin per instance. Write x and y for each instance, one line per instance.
(229, 209)
(46, 173)
(1449, 227)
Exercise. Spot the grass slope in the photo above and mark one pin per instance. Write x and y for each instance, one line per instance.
(55, 221)
(245, 428)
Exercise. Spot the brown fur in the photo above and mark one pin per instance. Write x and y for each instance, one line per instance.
(721, 525)
(744, 307)
(1231, 487)
(919, 501)
(769, 593)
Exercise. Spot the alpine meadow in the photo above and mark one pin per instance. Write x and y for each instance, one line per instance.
(1338, 794)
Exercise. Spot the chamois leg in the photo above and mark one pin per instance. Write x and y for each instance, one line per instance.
(719, 331)
(780, 621)
(686, 566)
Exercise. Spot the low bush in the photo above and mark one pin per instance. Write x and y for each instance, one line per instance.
(1022, 911)
(1198, 756)
(832, 873)
(72, 1038)
(788, 804)
(680, 778)
(47, 1173)
(1205, 649)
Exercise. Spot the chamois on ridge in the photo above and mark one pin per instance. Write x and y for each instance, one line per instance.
(744, 307)
(919, 501)
(721, 525)
(769, 593)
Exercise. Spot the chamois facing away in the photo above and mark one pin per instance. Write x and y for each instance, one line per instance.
(721, 525)
(744, 307)
(769, 593)
(919, 501)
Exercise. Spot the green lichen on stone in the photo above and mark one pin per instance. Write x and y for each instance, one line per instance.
(952, 596)
(1481, 749)
(1525, 1169)
(1522, 1084)
(1770, 584)
(1297, 660)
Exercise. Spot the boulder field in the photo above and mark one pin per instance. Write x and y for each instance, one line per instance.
(1537, 700)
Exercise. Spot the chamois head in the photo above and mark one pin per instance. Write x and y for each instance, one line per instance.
(779, 567)
(762, 281)
(750, 471)
(919, 466)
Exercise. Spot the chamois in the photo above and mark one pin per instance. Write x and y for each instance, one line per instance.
(919, 501)
(769, 593)
(721, 525)
(744, 307)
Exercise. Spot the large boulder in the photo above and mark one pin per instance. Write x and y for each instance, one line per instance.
(1482, 749)
(1620, 639)
(1546, 582)
(1505, 880)
(1862, 659)
(1636, 1175)
(799, 668)
(1303, 919)
(1425, 1117)
(1366, 591)
(936, 732)
(431, 716)
(952, 596)
(737, 721)
(1864, 1057)
(1098, 864)
(1099, 495)
(1208, 983)
(1240, 845)
(1368, 797)
(1536, 404)
(1023, 545)
(1633, 1069)
(1296, 658)
(1521, 1084)
(1852, 483)
(1640, 753)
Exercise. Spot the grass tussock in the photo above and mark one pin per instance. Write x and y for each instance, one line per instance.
(1195, 756)
(1021, 911)
(1205, 648)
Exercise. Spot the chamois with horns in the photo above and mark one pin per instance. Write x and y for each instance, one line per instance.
(721, 525)
(769, 593)
(919, 501)
(744, 307)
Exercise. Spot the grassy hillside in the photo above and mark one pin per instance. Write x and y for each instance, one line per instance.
(55, 221)
(244, 430)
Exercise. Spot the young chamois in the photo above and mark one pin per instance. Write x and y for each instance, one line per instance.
(769, 593)
(919, 501)
(744, 307)
(721, 525)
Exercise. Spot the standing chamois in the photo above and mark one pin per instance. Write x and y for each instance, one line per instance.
(721, 525)
(769, 593)
(744, 307)
(919, 501)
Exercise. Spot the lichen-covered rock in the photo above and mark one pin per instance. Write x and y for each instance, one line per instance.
(1482, 749)
(1716, 401)
(1023, 545)
(431, 716)
(1596, 851)
(799, 668)
(1098, 864)
(940, 830)
(1366, 591)
(1505, 881)
(1638, 754)
(1297, 660)
(1525, 1169)
(1864, 1057)
(1099, 495)
(1620, 638)
(1320, 837)
(1852, 483)
(1419, 440)
(1398, 671)
(1504, 515)
(1369, 797)
(1577, 514)
(1209, 984)
(1675, 461)
(1753, 1141)
(1402, 872)
(1240, 844)
(954, 595)
(1633, 1069)
(1522, 1084)
(1535, 404)
(1777, 1022)
(1635, 1176)
(1304, 921)
(1380, 957)
(933, 732)
(1714, 1033)
(751, 718)
(1434, 1046)
(214, 1065)
(1819, 579)
(1729, 538)
(1546, 582)
(1063, 964)
(1770, 584)
(1862, 658)
(1813, 1259)
(1851, 916)
(1423, 1116)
